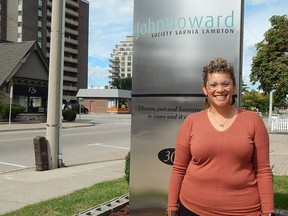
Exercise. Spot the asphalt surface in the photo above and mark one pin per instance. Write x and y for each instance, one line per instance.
(28, 186)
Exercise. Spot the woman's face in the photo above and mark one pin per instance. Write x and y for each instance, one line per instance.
(219, 88)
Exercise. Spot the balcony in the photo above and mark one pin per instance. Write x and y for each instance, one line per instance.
(70, 79)
(115, 60)
(71, 31)
(71, 12)
(70, 88)
(71, 22)
(115, 70)
(113, 77)
(72, 3)
(114, 66)
(70, 69)
(70, 59)
(71, 41)
(70, 50)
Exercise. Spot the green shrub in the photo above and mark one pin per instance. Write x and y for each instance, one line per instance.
(69, 115)
(15, 110)
(127, 167)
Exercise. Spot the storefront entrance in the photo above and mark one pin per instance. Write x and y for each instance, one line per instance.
(33, 98)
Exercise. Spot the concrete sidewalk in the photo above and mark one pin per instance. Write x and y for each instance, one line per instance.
(27, 186)
(279, 153)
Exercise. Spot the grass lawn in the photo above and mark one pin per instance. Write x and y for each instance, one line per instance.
(77, 201)
(100, 193)
(281, 192)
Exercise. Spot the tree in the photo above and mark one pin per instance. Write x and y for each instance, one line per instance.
(122, 83)
(270, 64)
(244, 87)
(254, 100)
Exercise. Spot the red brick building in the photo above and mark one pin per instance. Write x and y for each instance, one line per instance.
(106, 100)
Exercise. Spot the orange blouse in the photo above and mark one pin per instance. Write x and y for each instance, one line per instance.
(222, 173)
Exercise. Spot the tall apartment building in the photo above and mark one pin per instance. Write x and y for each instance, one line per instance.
(26, 20)
(121, 60)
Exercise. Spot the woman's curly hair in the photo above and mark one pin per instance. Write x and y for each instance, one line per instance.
(218, 65)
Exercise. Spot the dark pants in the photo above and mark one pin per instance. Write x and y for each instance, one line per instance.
(183, 211)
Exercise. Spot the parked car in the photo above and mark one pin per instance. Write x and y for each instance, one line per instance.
(275, 116)
(76, 108)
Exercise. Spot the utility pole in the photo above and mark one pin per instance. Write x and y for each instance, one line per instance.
(55, 87)
(270, 111)
(10, 107)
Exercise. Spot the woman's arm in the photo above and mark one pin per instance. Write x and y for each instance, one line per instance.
(181, 161)
(262, 167)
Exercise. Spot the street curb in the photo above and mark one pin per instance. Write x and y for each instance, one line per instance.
(41, 127)
(280, 212)
(107, 208)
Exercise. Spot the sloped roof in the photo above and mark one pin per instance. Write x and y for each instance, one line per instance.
(13, 55)
(104, 93)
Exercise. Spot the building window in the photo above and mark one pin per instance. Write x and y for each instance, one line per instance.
(31, 104)
(19, 18)
(39, 13)
(40, 3)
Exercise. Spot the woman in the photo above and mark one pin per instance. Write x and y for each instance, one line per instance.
(221, 164)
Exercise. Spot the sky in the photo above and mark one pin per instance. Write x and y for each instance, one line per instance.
(110, 21)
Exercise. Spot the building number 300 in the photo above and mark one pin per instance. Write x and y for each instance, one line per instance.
(167, 156)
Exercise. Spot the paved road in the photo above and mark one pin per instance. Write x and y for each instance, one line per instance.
(93, 143)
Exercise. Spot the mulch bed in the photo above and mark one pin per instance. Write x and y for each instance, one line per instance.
(122, 212)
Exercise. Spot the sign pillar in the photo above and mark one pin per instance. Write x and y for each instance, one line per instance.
(173, 40)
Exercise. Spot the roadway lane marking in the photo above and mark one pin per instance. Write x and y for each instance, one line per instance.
(11, 164)
(109, 146)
